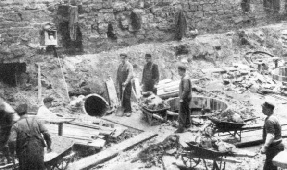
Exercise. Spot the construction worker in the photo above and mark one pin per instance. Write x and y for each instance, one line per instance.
(271, 136)
(44, 112)
(184, 99)
(124, 77)
(26, 138)
(150, 75)
(7, 118)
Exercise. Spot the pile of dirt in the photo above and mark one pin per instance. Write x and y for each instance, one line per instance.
(153, 154)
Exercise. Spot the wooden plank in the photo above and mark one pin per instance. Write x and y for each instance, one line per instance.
(137, 87)
(280, 159)
(112, 93)
(39, 85)
(110, 153)
(213, 70)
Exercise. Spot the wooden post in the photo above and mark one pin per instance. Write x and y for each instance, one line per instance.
(60, 129)
(39, 85)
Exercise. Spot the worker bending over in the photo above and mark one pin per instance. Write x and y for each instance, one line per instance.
(26, 138)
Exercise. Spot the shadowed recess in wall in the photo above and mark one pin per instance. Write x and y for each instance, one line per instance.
(74, 44)
(10, 73)
(111, 34)
(135, 21)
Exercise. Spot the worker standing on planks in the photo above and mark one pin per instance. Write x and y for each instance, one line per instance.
(150, 75)
(271, 136)
(26, 138)
(124, 77)
(184, 99)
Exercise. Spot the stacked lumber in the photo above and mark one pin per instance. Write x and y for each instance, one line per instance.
(88, 134)
(169, 88)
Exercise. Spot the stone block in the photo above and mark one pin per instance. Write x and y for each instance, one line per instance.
(107, 4)
(5, 50)
(18, 50)
(103, 28)
(106, 11)
(208, 7)
(198, 14)
(12, 17)
(164, 26)
(119, 6)
(193, 8)
(94, 37)
(96, 7)
(189, 15)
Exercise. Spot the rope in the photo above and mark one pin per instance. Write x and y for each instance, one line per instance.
(66, 85)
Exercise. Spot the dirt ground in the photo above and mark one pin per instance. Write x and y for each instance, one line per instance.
(249, 100)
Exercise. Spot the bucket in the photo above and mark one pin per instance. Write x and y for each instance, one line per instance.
(95, 105)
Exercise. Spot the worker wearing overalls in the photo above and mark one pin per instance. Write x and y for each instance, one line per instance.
(26, 137)
(271, 136)
(150, 75)
(124, 77)
(185, 89)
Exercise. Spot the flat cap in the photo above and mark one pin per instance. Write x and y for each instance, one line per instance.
(268, 105)
(21, 108)
(181, 66)
(148, 55)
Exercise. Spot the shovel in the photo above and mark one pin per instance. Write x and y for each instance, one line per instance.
(120, 110)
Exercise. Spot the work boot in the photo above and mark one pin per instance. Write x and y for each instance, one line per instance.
(128, 114)
(179, 130)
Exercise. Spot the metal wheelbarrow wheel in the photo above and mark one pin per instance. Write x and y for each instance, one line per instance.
(189, 161)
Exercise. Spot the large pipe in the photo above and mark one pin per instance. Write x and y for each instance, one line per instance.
(95, 105)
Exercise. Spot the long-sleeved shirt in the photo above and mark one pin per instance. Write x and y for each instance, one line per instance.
(125, 73)
(185, 89)
(150, 73)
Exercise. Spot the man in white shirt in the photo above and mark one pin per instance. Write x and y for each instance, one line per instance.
(44, 112)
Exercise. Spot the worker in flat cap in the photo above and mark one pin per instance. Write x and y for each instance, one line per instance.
(44, 112)
(150, 75)
(184, 99)
(26, 138)
(271, 136)
(124, 79)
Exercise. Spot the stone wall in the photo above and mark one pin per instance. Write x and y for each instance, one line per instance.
(108, 24)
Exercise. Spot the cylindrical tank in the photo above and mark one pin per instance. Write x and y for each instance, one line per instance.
(95, 105)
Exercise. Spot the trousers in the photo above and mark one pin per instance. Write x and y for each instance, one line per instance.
(271, 152)
(184, 115)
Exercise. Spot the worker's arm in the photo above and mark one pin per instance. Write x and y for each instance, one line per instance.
(270, 131)
(46, 135)
(48, 140)
(143, 76)
(155, 74)
(268, 141)
(185, 91)
(13, 138)
(117, 80)
(130, 75)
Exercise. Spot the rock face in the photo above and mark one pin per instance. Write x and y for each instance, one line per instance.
(131, 22)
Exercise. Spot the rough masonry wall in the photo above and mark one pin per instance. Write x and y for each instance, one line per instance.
(107, 24)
